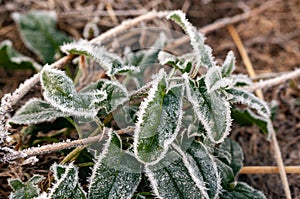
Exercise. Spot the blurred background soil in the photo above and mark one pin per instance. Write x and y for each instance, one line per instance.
(271, 38)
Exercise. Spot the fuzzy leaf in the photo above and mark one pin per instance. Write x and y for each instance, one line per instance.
(226, 174)
(27, 190)
(66, 183)
(228, 65)
(246, 98)
(37, 29)
(203, 53)
(36, 111)
(170, 178)
(116, 173)
(183, 63)
(116, 93)
(231, 153)
(11, 59)
(112, 63)
(242, 190)
(158, 122)
(60, 92)
(207, 168)
(213, 79)
(212, 109)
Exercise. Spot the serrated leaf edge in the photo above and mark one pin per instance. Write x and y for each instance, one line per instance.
(192, 172)
(203, 120)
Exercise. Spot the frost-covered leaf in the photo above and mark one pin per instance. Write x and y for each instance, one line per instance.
(171, 178)
(112, 63)
(206, 168)
(226, 174)
(116, 174)
(38, 31)
(36, 111)
(246, 98)
(247, 118)
(158, 122)
(27, 190)
(242, 190)
(11, 59)
(203, 53)
(212, 109)
(116, 93)
(213, 79)
(228, 65)
(60, 92)
(231, 153)
(183, 63)
(66, 183)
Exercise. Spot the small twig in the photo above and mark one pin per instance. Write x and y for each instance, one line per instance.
(239, 44)
(59, 146)
(259, 93)
(221, 23)
(268, 169)
(275, 81)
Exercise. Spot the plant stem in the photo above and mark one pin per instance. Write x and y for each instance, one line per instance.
(268, 169)
(59, 146)
(275, 81)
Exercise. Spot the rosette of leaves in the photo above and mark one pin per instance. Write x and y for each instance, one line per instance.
(198, 161)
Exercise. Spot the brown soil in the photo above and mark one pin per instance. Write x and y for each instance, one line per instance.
(271, 38)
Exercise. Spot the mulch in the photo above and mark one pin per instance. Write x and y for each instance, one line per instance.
(271, 38)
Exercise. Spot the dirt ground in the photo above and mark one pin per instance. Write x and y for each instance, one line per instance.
(272, 40)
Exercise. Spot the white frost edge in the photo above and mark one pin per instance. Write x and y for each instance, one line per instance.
(192, 171)
(229, 58)
(78, 111)
(95, 51)
(13, 120)
(212, 86)
(202, 119)
(102, 156)
(192, 33)
(255, 105)
(63, 177)
(142, 111)
(153, 182)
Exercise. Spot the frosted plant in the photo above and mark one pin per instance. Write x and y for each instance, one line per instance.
(180, 161)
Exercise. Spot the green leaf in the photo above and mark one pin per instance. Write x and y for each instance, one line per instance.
(226, 173)
(247, 118)
(36, 111)
(228, 65)
(66, 183)
(183, 63)
(60, 92)
(203, 53)
(112, 63)
(207, 168)
(212, 109)
(38, 31)
(246, 98)
(174, 177)
(242, 190)
(231, 153)
(116, 93)
(158, 122)
(27, 190)
(116, 174)
(213, 79)
(11, 59)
